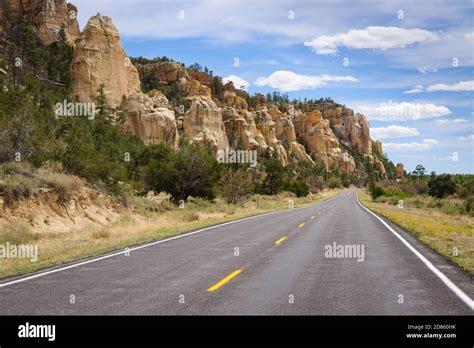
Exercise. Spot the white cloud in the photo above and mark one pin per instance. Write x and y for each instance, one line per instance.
(469, 137)
(237, 81)
(287, 81)
(416, 89)
(393, 131)
(451, 122)
(382, 38)
(426, 69)
(455, 87)
(402, 147)
(460, 86)
(404, 111)
(469, 37)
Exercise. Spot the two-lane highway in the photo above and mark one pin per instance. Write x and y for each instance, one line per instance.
(331, 258)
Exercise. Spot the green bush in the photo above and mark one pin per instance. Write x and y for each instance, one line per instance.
(441, 185)
(469, 205)
(375, 191)
(334, 182)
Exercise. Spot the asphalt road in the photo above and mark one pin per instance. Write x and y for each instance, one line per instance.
(281, 268)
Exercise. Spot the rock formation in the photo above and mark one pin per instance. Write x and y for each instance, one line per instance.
(400, 170)
(285, 131)
(322, 143)
(149, 117)
(47, 17)
(203, 123)
(378, 147)
(99, 58)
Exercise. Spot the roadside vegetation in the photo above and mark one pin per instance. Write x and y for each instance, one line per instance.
(438, 209)
(146, 219)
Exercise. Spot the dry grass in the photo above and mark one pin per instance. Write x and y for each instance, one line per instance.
(132, 229)
(443, 232)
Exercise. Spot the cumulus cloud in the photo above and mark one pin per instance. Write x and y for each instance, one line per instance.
(402, 147)
(393, 132)
(237, 81)
(287, 81)
(372, 37)
(469, 137)
(393, 111)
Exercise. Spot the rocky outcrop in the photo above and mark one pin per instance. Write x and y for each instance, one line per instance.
(47, 17)
(285, 131)
(378, 147)
(322, 143)
(203, 123)
(149, 117)
(400, 170)
(349, 127)
(99, 58)
(170, 73)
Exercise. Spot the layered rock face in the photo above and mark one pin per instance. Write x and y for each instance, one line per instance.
(203, 123)
(322, 143)
(47, 17)
(285, 131)
(99, 58)
(149, 117)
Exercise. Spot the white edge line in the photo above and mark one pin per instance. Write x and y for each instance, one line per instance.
(128, 250)
(453, 287)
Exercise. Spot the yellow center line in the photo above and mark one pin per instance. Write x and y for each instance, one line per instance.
(225, 280)
(301, 226)
(281, 240)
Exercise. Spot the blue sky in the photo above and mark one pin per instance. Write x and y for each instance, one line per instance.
(406, 65)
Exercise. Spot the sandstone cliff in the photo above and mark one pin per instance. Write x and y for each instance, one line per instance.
(203, 123)
(99, 58)
(47, 17)
(200, 108)
(148, 116)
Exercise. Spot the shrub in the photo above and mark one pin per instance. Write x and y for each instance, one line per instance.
(191, 171)
(190, 216)
(298, 187)
(441, 185)
(469, 205)
(16, 187)
(17, 233)
(235, 186)
(375, 191)
(334, 182)
(316, 183)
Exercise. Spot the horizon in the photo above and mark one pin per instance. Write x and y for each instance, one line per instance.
(411, 80)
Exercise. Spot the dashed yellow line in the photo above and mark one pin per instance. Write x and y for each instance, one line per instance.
(301, 225)
(225, 280)
(281, 240)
